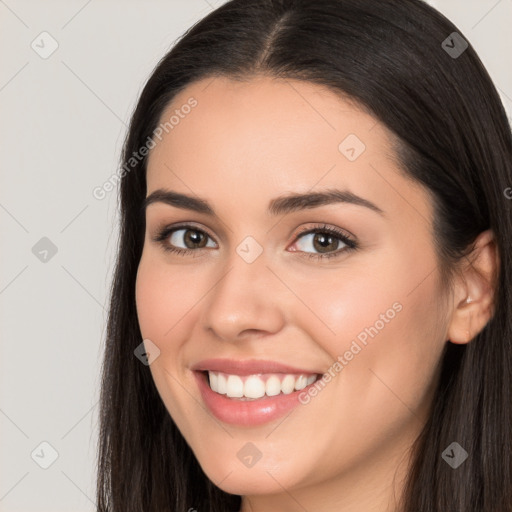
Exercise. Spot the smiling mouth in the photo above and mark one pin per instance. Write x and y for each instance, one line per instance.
(257, 386)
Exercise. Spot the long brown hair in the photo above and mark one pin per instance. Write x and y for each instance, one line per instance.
(454, 137)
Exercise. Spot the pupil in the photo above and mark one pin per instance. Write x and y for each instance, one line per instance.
(323, 241)
(194, 237)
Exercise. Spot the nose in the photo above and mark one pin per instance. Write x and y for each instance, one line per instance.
(245, 301)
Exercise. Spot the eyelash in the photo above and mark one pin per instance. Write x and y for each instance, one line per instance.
(351, 245)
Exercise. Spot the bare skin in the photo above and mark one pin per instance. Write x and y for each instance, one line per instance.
(244, 144)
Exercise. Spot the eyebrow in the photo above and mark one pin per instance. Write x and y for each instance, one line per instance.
(280, 205)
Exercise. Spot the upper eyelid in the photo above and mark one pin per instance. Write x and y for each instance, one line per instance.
(170, 229)
(295, 233)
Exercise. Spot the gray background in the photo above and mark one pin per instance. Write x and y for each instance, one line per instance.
(62, 125)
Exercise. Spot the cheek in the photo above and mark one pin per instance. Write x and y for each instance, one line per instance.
(164, 297)
(391, 296)
(150, 300)
(165, 302)
(382, 320)
(349, 305)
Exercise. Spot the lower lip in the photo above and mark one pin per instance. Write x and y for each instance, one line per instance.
(247, 412)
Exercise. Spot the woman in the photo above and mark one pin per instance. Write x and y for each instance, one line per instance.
(311, 304)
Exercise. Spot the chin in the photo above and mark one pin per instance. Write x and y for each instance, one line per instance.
(250, 484)
(236, 478)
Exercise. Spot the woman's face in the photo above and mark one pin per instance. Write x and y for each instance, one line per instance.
(253, 286)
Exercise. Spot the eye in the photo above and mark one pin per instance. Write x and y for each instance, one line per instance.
(326, 240)
(192, 237)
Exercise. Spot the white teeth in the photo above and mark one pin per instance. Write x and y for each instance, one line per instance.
(234, 386)
(214, 381)
(273, 386)
(256, 386)
(221, 383)
(288, 384)
(301, 382)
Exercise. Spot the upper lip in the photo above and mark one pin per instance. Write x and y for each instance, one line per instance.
(248, 367)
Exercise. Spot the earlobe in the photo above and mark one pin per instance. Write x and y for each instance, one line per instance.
(475, 289)
(461, 326)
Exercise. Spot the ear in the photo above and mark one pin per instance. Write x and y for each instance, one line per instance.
(473, 297)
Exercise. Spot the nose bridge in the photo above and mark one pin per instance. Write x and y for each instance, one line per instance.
(245, 271)
(242, 297)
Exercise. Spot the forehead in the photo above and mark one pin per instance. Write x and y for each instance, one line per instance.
(266, 136)
(269, 113)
